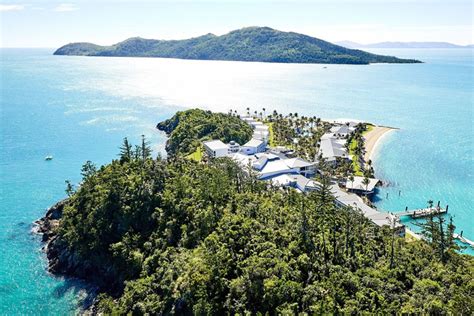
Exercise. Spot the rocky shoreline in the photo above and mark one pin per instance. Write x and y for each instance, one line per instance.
(63, 261)
(60, 260)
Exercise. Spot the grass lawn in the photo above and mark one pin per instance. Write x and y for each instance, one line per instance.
(271, 136)
(197, 155)
(355, 163)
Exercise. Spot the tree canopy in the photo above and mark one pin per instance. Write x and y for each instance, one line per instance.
(187, 130)
(181, 237)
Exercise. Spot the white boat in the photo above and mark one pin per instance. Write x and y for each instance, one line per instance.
(48, 157)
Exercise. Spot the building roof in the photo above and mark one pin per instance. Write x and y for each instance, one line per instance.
(280, 149)
(261, 128)
(331, 149)
(275, 166)
(358, 184)
(242, 159)
(304, 183)
(341, 129)
(256, 123)
(260, 162)
(215, 145)
(269, 155)
(295, 180)
(297, 163)
(260, 135)
(283, 180)
(254, 143)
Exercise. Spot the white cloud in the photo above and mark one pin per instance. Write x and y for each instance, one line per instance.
(11, 7)
(66, 7)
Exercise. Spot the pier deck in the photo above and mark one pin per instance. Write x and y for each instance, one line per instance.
(422, 212)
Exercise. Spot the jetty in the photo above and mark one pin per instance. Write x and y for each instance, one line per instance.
(424, 212)
(463, 239)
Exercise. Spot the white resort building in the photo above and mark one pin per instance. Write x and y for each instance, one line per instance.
(216, 148)
(254, 146)
(278, 166)
(358, 186)
(332, 145)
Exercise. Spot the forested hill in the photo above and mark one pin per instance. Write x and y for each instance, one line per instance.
(187, 130)
(248, 44)
(181, 237)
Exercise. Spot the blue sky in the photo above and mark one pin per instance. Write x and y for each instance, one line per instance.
(54, 23)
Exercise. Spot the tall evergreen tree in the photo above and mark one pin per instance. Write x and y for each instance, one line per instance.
(125, 151)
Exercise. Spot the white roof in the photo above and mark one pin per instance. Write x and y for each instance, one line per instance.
(350, 199)
(242, 159)
(359, 185)
(342, 129)
(270, 156)
(305, 183)
(274, 166)
(253, 143)
(297, 163)
(261, 135)
(283, 180)
(300, 181)
(331, 149)
(215, 145)
(260, 162)
(261, 128)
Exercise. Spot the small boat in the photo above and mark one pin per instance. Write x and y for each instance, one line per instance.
(48, 157)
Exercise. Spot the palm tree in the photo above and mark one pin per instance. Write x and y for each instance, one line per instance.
(255, 112)
(263, 109)
(366, 182)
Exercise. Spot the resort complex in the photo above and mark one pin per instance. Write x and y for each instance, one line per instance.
(282, 166)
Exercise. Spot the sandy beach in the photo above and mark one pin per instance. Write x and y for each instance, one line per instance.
(373, 138)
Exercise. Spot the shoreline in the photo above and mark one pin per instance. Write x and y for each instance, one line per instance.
(373, 139)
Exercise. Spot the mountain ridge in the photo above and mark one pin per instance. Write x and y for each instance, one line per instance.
(259, 44)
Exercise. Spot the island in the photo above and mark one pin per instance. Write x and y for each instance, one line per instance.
(261, 44)
(217, 228)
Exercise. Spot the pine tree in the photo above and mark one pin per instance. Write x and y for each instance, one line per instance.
(69, 188)
(145, 149)
(125, 151)
(88, 170)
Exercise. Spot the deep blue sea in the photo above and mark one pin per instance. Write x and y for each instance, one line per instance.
(80, 108)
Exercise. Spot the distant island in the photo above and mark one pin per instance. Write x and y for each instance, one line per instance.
(354, 45)
(260, 44)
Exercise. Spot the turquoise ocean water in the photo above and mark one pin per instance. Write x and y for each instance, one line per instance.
(80, 108)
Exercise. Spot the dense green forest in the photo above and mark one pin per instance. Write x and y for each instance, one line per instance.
(248, 44)
(184, 237)
(186, 130)
(180, 237)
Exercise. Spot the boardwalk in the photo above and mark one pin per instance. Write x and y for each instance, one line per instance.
(425, 212)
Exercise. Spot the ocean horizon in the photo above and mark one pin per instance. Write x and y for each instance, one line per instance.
(80, 108)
